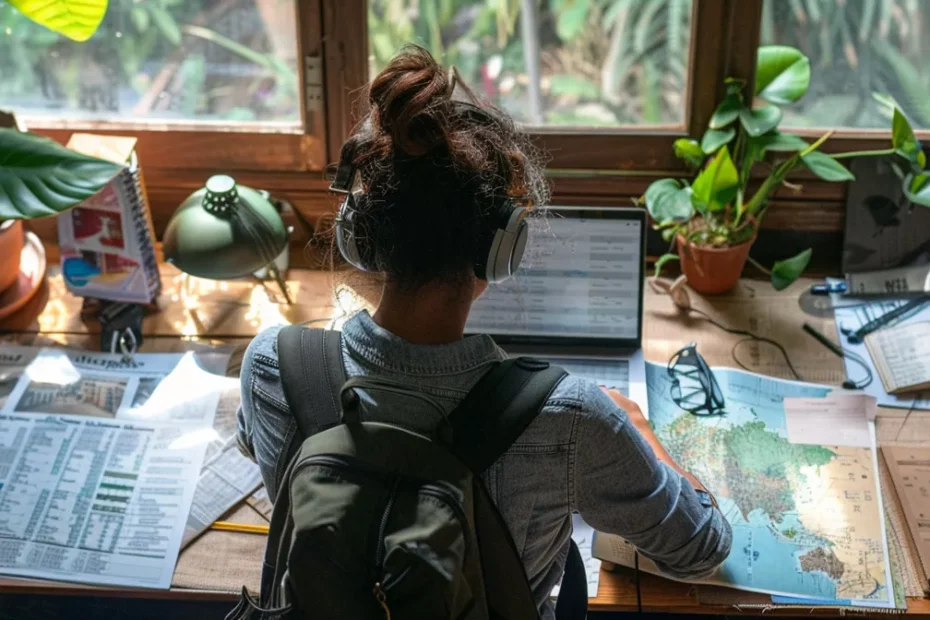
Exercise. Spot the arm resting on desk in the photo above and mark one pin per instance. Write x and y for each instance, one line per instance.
(620, 487)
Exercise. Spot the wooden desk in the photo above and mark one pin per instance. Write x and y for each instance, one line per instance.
(199, 311)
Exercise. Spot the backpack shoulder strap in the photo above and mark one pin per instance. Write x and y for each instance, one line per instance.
(312, 373)
(499, 408)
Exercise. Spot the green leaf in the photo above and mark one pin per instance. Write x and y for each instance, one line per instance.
(140, 19)
(573, 85)
(779, 142)
(903, 138)
(782, 74)
(715, 138)
(917, 188)
(826, 167)
(76, 19)
(662, 260)
(784, 272)
(572, 18)
(717, 184)
(760, 120)
(689, 151)
(166, 24)
(39, 177)
(726, 112)
(668, 201)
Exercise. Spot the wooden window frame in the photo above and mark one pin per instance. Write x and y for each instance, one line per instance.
(593, 167)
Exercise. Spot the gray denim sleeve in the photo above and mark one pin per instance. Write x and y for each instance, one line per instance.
(620, 487)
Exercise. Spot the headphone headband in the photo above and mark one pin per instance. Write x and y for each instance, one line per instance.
(497, 259)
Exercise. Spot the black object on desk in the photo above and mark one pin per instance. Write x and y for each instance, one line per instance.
(901, 312)
(120, 327)
(837, 350)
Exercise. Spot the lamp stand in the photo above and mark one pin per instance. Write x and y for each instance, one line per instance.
(276, 274)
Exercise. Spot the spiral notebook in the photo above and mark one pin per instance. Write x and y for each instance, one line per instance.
(107, 242)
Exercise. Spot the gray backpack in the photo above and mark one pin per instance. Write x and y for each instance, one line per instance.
(373, 521)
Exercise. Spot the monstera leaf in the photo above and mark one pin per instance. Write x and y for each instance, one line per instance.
(75, 19)
(39, 177)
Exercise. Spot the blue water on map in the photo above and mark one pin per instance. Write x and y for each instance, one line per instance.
(762, 560)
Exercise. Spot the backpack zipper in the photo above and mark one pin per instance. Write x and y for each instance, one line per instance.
(380, 596)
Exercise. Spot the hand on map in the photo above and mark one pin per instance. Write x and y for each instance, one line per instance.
(635, 414)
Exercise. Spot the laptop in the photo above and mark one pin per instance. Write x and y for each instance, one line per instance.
(577, 299)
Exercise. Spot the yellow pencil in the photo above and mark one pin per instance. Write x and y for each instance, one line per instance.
(246, 528)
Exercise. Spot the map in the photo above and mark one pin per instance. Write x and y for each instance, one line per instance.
(807, 520)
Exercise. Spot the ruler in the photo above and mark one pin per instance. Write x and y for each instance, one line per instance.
(900, 281)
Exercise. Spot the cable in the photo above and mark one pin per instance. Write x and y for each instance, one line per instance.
(849, 384)
(749, 336)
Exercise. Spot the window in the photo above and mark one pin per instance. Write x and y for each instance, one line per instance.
(588, 63)
(206, 61)
(858, 49)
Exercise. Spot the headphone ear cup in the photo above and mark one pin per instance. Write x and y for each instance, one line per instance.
(349, 233)
(507, 247)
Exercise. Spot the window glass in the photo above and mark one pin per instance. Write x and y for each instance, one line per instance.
(858, 48)
(166, 60)
(561, 62)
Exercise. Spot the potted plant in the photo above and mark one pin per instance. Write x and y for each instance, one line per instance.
(713, 220)
(39, 177)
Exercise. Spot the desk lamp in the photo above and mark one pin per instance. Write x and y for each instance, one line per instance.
(224, 231)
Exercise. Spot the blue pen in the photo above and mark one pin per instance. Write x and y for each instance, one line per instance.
(826, 288)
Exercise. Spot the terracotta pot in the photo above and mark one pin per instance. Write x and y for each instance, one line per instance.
(11, 249)
(712, 271)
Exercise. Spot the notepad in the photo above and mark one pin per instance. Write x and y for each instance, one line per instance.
(902, 356)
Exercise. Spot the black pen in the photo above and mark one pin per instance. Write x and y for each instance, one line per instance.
(835, 348)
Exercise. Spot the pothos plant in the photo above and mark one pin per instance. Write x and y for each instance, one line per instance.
(717, 209)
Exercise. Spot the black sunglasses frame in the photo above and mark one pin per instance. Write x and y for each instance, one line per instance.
(688, 363)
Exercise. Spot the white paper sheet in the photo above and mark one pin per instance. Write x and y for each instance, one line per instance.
(835, 420)
(224, 481)
(150, 387)
(93, 500)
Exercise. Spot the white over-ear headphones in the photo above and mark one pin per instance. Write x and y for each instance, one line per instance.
(500, 255)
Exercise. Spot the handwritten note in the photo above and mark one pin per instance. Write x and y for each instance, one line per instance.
(836, 420)
(902, 356)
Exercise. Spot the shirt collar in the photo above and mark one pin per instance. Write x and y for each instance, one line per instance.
(376, 345)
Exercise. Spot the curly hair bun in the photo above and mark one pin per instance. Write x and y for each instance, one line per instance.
(411, 101)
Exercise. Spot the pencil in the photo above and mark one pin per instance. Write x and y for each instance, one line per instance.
(246, 528)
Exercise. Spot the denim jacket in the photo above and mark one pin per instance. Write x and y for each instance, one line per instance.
(581, 454)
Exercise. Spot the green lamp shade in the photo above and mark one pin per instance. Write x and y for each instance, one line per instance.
(224, 231)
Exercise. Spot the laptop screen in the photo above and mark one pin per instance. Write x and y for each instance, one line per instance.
(581, 282)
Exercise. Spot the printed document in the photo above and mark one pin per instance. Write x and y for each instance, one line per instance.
(99, 458)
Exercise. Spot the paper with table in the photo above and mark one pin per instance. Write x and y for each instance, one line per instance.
(773, 493)
(852, 313)
(99, 458)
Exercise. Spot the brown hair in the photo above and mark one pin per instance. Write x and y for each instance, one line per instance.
(436, 171)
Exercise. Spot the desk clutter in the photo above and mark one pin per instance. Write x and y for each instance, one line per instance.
(102, 476)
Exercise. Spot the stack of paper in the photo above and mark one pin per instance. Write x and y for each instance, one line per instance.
(99, 457)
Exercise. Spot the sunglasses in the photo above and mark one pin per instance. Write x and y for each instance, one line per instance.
(694, 387)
